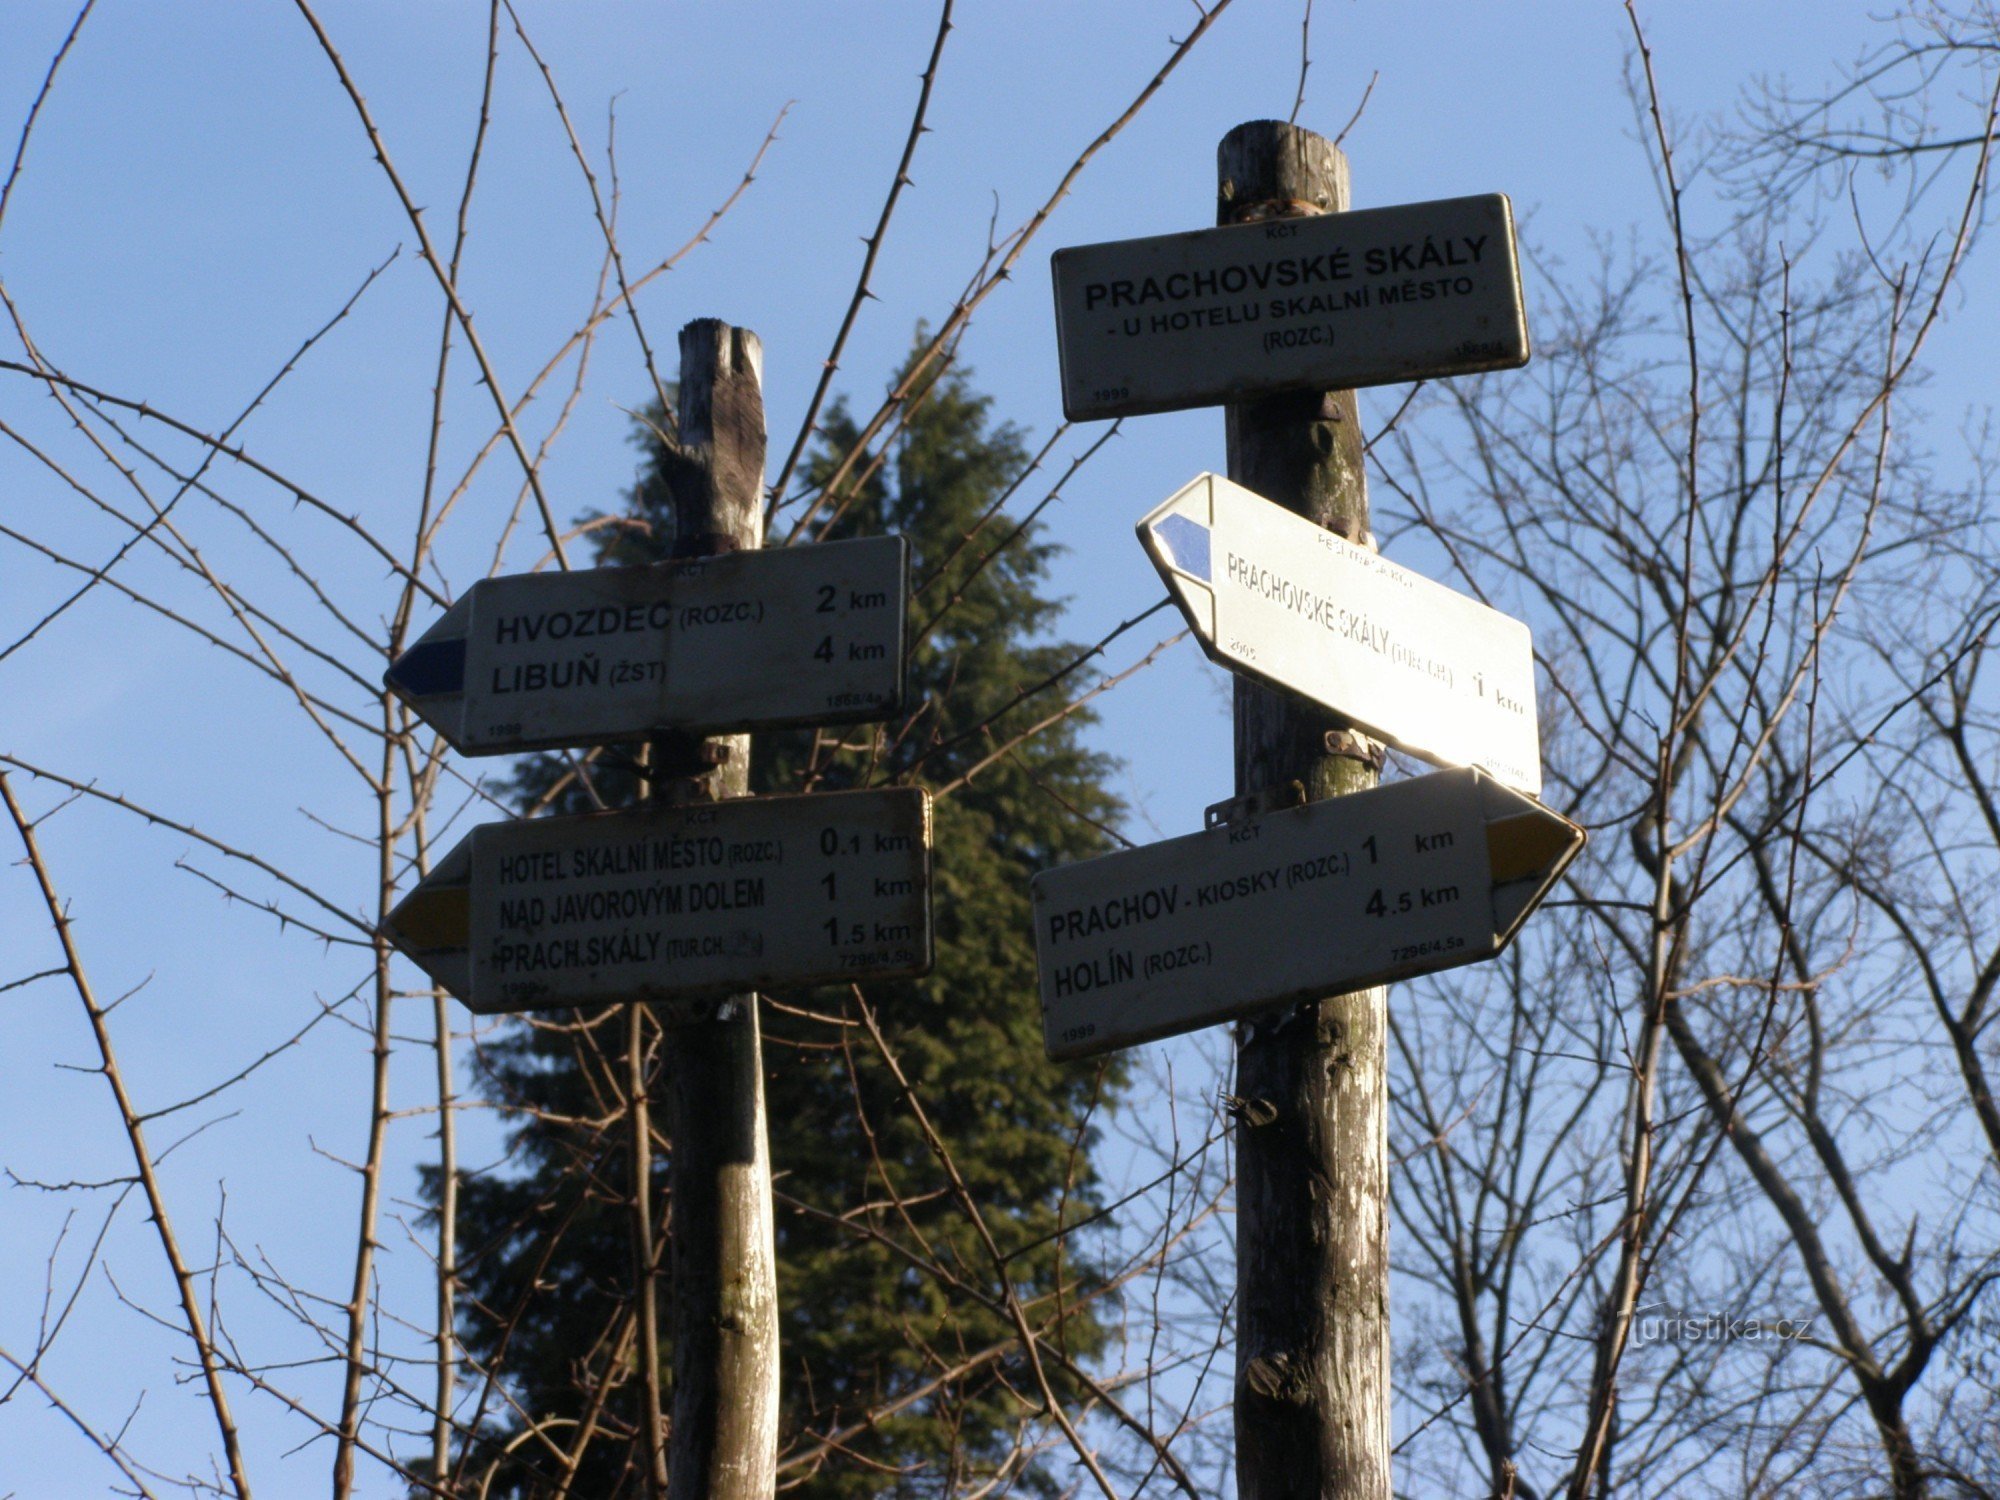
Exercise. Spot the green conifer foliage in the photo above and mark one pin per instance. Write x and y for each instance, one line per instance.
(884, 1285)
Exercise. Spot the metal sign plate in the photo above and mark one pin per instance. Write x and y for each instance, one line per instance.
(1318, 900)
(677, 903)
(786, 635)
(1411, 661)
(1319, 303)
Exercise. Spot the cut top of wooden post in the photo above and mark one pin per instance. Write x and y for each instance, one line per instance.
(1269, 169)
(717, 472)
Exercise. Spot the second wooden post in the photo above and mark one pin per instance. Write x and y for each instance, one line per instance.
(724, 1440)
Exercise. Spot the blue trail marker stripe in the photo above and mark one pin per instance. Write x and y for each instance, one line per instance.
(429, 668)
(1186, 542)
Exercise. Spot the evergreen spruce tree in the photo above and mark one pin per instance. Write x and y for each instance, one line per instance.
(545, 1239)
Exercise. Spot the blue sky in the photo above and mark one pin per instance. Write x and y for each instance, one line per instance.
(199, 197)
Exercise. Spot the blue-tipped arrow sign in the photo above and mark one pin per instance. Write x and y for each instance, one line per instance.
(1186, 544)
(789, 635)
(1410, 661)
(428, 669)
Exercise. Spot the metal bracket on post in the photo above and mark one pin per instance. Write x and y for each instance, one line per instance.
(1251, 1112)
(682, 764)
(1352, 744)
(1255, 804)
(1275, 208)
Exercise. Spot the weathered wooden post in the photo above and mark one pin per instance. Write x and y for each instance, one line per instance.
(724, 1442)
(1312, 1227)
(702, 892)
(1288, 898)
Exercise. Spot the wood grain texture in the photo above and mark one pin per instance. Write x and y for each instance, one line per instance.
(1312, 1272)
(724, 1441)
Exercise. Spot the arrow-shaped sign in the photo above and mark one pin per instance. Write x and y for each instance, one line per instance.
(677, 903)
(1339, 895)
(786, 635)
(1412, 662)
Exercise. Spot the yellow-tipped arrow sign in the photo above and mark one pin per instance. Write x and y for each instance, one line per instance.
(1318, 900)
(677, 903)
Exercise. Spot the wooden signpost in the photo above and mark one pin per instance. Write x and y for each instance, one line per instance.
(689, 904)
(1279, 915)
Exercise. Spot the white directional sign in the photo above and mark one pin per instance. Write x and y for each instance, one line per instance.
(786, 635)
(1312, 901)
(1326, 302)
(1411, 661)
(684, 902)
